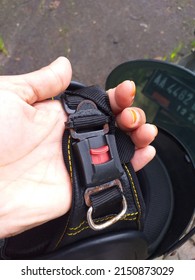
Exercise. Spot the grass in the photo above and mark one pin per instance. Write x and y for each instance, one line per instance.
(2, 47)
(193, 44)
(175, 54)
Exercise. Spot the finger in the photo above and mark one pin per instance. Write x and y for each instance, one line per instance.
(144, 135)
(122, 96)
(142, 157)
(44, 83)
(130, 118)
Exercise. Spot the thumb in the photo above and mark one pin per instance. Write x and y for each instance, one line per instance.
(46, 82)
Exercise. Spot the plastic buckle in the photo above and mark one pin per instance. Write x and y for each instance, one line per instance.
(97, 189)
(98, 159)
(88, 134)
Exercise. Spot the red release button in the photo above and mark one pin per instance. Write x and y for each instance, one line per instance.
(100, 155)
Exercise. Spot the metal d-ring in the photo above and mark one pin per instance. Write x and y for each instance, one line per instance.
(106, 224)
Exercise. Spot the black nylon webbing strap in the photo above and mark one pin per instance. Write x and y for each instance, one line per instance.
(106, 199)
(106, 194)
(102, 187)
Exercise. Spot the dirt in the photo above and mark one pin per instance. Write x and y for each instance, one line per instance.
(95, 35)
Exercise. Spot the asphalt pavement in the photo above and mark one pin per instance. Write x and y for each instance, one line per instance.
(95, 35)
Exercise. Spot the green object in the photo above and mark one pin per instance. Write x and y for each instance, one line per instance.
(2, 47)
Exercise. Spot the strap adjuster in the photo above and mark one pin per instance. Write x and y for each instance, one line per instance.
(83, 135)
(86, 114)
(90, 191)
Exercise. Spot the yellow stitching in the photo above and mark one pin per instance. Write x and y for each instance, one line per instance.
(103, 219)
(69, 157)
(134, 189)
(84, 228)
(129, 219)
(70, 166)
(77, 232)
(97, 220)
(75, 228)
(135, 193)
(125, 218)
(131, 214)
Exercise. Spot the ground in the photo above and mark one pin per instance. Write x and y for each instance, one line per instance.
(95, 35)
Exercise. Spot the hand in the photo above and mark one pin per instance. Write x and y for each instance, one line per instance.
(34, 183)
(133, 121)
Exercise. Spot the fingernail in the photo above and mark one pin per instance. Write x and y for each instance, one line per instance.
(133, 85)
(133, 89)
(156, 129)
(134, 115)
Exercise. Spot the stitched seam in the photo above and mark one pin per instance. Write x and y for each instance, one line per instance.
(69, 157)
(133, 185)
(70, 166)
(75, 228)
(102, 220)
(77, 232)
(135, 192)
(87, 227)
(125, 218)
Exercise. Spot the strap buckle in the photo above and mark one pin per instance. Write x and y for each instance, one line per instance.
(98, 159)
(99, 163)
(91, 191)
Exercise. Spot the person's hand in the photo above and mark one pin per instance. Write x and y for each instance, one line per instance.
(133, 121)
(34, 184)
